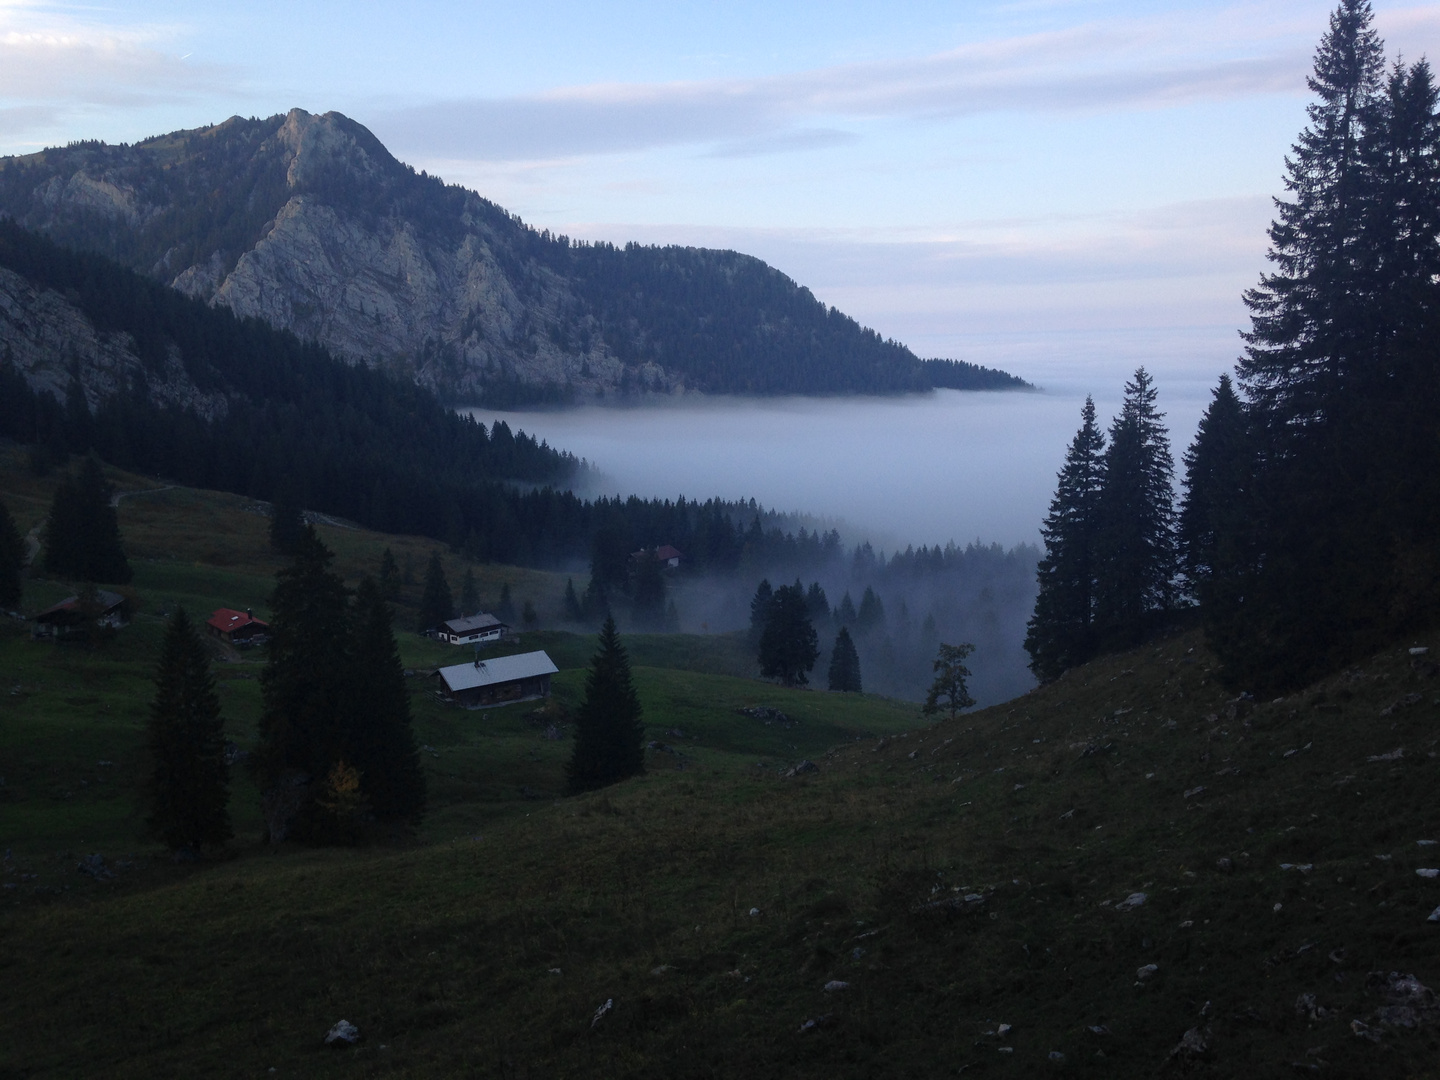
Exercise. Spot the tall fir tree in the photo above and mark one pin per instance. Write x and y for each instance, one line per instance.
(436, 602)
(1136, 563)
(188, 788)
(378, 739)
(818, 604)
(12, 559)
(1217, 486)
(789, 645)
(287, 521)
(760, 610)
(82, 532)
(572, 603)
(844, 664)
(609, 732)
(1061, 632)
(389, 576)
(1303, 315)
(648, 607)
(505, 609)
(304, 689)
(469, 593)
(1341, 376)
(871, 615)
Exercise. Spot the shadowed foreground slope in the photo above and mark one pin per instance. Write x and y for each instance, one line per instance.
(957, 879)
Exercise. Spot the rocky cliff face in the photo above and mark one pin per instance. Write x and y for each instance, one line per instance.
(309, 223)
(50, 341)
(368, 281)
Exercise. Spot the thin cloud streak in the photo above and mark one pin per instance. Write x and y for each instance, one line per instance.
(54, 67)
(1151, 64)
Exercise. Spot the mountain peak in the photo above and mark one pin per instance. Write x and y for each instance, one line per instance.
(307, 221)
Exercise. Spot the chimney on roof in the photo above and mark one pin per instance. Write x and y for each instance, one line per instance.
(249, 614)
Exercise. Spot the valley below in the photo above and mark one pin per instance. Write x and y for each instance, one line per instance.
(1126, 871)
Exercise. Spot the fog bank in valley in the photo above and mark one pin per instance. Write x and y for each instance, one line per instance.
(965, 476)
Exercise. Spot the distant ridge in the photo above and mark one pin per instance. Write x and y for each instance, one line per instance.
(309, 223)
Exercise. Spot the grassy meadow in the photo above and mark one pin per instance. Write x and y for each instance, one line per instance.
(958, 886)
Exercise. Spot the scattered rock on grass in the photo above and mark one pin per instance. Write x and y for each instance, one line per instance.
(1307, 1008)
(1393, 755)
(602, 1011)
(1409, 1003)
(1193, 1044)
(342, 1034)
(94, 865)
(836, 984)
(1427, 872)
(817, 1022)
(1134, 900)
(1057, 1058)
(801, 768)
(1143, 973)
(1434, 916)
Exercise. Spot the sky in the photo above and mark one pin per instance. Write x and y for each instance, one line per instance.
(1063, 189)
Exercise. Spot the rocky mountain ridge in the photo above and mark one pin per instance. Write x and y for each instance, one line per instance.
(52, 343)
(309, 223)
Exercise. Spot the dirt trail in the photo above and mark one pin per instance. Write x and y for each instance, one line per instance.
(115, 499)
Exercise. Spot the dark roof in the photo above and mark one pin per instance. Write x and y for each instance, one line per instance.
(665, 553)
(472, 624)
(227, 620)
(109, 601)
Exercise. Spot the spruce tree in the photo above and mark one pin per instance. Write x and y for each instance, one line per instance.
(304, 687)
(609, 733)
(1135, 571)
(505, 609)
(789, 645)
(378, 739)
(845, 611)
(287, 522)
(872, 611)
(469, 594)
(1061, 632)
(648, 608)
(188, 788)
(1341, 382)
(760, 610)
(1217, 466)
(389, 577)
(82, 532)
(572, 603)
(436, 603)
(845, 664)
(1304, 315)
(12, 559)
(817, 603)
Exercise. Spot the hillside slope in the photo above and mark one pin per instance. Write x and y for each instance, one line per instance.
(309, 223)
(1118, 874)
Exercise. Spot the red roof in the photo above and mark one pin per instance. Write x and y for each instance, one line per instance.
(226, 620)
(665, 553)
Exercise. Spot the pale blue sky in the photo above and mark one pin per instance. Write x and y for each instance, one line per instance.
(1064, 189)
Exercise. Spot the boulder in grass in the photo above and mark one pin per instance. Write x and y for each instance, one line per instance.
(342, 1034)
(802, 768)
(602, 1011)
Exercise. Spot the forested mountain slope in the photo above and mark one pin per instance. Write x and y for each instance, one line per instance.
(309, 223)
(94, 356)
